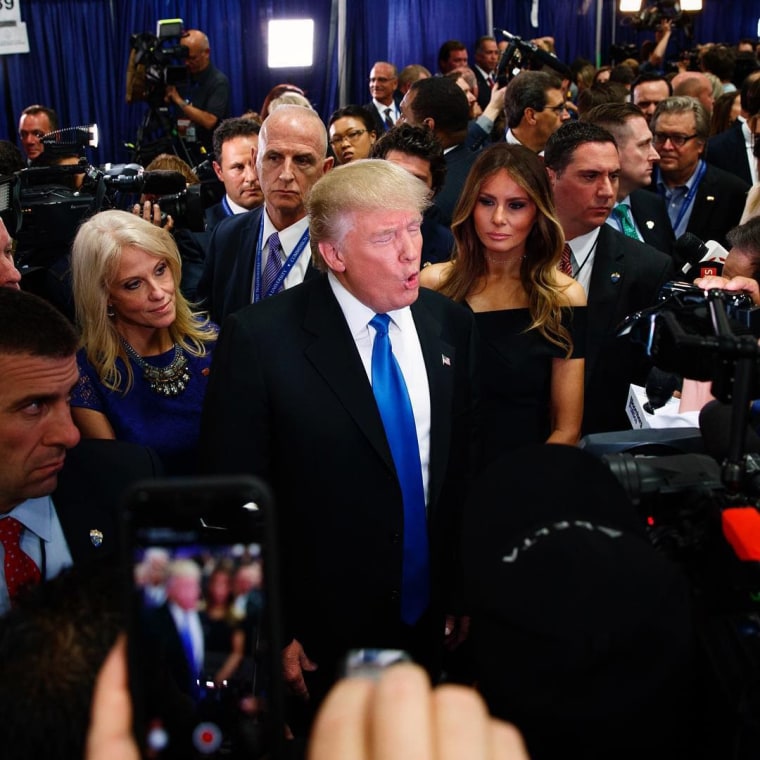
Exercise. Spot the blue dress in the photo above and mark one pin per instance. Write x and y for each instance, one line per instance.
(170, 425)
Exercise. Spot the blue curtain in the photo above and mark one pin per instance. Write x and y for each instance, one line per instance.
(79, 48)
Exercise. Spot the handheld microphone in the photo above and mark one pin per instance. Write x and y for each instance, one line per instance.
(702, 259)
(659, 388)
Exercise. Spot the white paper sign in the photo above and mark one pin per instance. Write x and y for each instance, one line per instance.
(13, 36)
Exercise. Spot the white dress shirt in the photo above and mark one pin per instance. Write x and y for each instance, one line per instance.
(406, 348)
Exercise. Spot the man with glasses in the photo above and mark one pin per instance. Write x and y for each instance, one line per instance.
(701, 198)
(384, 106)
(35, 122)
(535, 107)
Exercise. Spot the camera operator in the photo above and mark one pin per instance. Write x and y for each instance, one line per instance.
(205, 100)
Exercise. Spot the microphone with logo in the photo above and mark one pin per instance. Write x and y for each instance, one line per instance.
(695, 258)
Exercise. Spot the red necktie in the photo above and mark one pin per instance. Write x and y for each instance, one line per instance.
(566, 261)
(20, 569)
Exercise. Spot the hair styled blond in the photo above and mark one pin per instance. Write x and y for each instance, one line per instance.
(95, 258)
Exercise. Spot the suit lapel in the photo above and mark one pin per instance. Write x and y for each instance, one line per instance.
(607, 276)
(334, 355)
(439, 359)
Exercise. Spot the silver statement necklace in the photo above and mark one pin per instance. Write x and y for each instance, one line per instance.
(167, 381)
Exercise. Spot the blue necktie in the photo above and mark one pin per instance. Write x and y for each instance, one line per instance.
(398, 420)
(189, 650)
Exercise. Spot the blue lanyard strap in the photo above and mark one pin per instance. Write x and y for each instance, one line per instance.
(226, 206)
(689, 197)
(286, 267)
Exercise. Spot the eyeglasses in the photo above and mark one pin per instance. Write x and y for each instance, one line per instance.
(561, 108)
(678, 141)
(352, 136)
(380, 80)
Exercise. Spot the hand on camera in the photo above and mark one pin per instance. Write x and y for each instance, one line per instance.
(151, 212)
(735, 283)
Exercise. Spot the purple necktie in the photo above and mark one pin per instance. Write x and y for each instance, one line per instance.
(274, 265)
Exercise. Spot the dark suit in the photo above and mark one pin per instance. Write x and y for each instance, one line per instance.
(214, 214)
(484, 89)
(227, 281)
(718, 204)
(380, 126)
(651, 217)
(294, 406)
(727, 151)
(626, 277)
(89, 491)
(459, 160)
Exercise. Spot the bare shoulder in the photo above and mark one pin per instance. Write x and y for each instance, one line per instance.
(572, 291)
(432, 276)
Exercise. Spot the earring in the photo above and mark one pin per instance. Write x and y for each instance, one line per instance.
(110, 313)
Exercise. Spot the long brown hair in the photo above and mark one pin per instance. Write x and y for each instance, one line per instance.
(543, 247)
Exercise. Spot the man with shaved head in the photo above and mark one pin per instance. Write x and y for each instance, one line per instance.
(246, 260)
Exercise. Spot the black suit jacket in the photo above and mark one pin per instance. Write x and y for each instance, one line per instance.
(380, 126)
(89, 491)
(625, 278)
(484, 89)
(459, 160)
(227, 281)
(651, 217)
(718, 205)
(213, 215)
(294, 406)
(727, 151)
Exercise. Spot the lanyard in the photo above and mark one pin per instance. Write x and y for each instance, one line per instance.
(226, 206)
(286, 267)
(689, 197)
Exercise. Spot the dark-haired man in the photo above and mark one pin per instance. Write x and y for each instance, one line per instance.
(620, 275)
(57, 500)
(647, 90)
(35, 122)
(441, 105)
(535, 108)
(486, 61)
(452, 55)
(235, 143)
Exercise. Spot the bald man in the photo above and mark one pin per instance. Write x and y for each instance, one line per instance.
(205, 99)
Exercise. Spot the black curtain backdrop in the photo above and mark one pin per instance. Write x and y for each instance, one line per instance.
(79, 48)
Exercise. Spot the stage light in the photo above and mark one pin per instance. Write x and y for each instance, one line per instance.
(290, 43)
(630, 6)
(691, 5)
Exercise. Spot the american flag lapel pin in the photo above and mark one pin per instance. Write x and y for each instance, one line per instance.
(445, 360)
(96, 537)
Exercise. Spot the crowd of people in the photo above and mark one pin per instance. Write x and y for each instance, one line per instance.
(394, 308)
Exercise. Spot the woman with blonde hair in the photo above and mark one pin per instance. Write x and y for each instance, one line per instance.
(145, 354)
(529, 314)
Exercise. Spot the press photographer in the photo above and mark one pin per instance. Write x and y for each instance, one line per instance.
(205, 99)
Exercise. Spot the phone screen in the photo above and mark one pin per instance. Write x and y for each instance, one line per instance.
(202, 639)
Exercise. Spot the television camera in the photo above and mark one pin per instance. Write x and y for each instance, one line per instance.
(519, 55)
(703, 509)
(162, 57)
(651, 17)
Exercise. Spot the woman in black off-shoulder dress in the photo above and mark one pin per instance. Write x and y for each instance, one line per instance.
(531, 316)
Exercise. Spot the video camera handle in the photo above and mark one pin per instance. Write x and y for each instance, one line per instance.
(742, 351)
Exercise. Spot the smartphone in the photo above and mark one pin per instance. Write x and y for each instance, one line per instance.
(203, 618)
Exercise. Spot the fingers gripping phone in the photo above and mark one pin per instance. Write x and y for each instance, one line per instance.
(203, 618)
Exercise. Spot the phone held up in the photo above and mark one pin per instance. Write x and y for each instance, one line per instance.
(203, 618)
